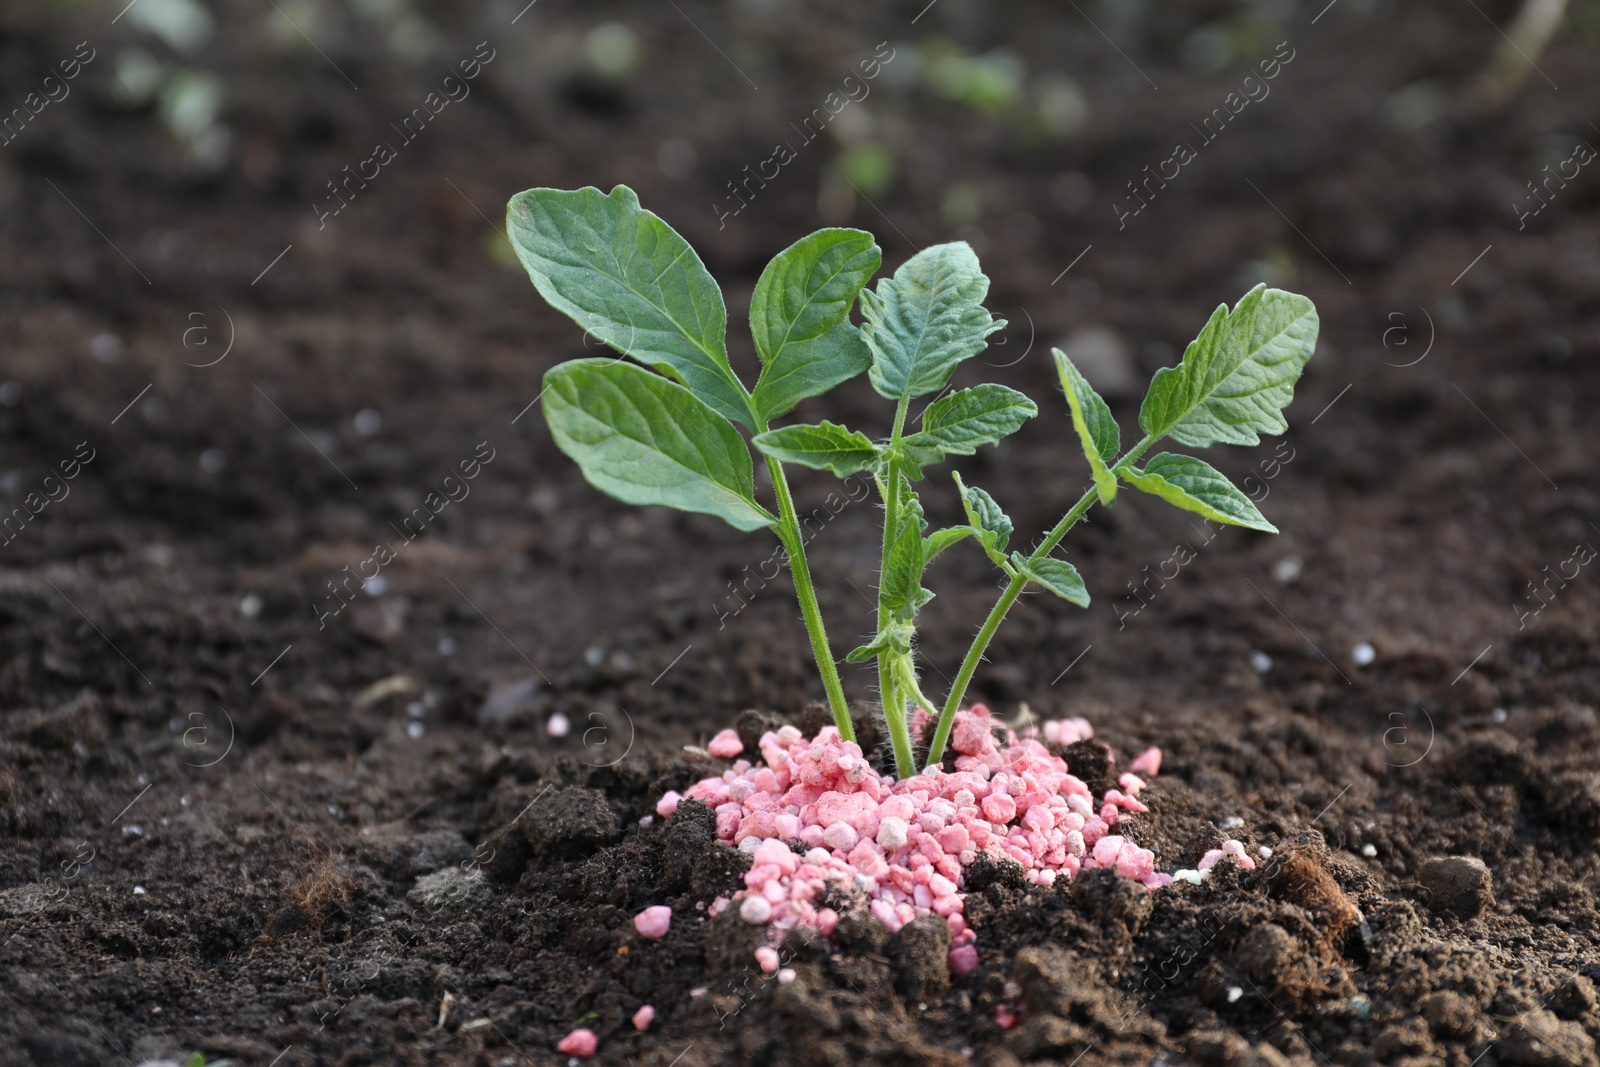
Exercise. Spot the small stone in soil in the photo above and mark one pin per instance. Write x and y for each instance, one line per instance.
(1458, 885)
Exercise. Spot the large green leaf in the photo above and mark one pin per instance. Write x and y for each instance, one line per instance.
(959, 423)
(799, 317)
(647, 440)
(825, 446)
(809, 368)
(1237, 376)
(809, 288)
(1056, 575)
(926, 319)
(630, 280)
(993, 525)
(1097, 430)
(1195, 485)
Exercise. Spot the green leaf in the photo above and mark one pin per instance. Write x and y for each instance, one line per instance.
(630, 280)
(1237, 376)
(825, 446)
(940, 540)
(992, 524)
(900, 584)
(810, 287)
(1056, 575)
(926, 319)
(646, 440)
(1195, 485)
(810, 368)
(1097, 430)
(800, 314)
(959, 423)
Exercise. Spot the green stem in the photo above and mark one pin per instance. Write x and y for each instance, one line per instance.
(904, 676)
(910, 686)
(1013, 589)
(905, 763)
(894, 705)
(794, 543)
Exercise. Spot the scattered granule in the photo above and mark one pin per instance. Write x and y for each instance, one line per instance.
(653, 922)
(581, 1043)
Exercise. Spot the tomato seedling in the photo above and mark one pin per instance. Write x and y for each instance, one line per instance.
(665, 428)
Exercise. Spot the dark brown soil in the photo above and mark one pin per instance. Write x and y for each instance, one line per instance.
(219, 796)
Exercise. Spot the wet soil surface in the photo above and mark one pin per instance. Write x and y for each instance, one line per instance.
(222, 779)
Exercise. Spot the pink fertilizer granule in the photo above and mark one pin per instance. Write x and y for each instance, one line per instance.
(643, 1018)
(580, 1043)
(653, 922)
(900, 847)
(726, 745)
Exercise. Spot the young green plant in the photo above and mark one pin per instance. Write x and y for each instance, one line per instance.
(665, 428)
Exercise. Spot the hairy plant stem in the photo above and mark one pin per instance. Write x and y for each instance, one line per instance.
(794, 544)
(1008, 597)
(905, 761)
(894, 701)
(904, 674)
